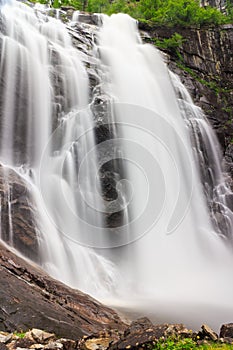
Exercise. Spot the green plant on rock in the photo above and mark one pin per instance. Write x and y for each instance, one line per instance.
(98, 6)
(162, 12)
(180, 12)
(20, 335)
(170, 44)
(229, 8)
(177, 343)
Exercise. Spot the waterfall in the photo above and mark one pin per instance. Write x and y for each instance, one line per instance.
(209, 159)
(46, 131)
(171, 251)
(174, 261)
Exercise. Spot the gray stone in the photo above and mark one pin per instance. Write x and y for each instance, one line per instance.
(41, 336)
(208, 332)
(54, 345)
(37, 346)
(5, 338)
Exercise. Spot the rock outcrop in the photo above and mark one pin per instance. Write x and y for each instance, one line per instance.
(204, 64)
(140, 334)
(111, 169)
(226, 330)
(219, 4)
(18, 213)
(31, 299)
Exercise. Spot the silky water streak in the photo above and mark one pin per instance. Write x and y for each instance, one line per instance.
(177, 263)
(46, 130)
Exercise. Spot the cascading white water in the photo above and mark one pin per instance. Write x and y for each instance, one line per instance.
(180, 268)
(47, 126)
(167, 256)
(209, 158)
(75, 16)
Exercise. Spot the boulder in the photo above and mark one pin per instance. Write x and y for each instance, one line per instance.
(27, 341)
(143, 333)
(29, 298)
(41, 336)
(5, 337)
(226, 331)
(208, 332)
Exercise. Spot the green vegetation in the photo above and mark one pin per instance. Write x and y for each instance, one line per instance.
(213, 84)
(161, 12)
(230, 10)
(170, 44)
(179, 12)
(176, 344)
(188, 344)
(20, 335)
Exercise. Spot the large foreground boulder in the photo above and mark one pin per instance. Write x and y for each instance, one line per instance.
(29, 298)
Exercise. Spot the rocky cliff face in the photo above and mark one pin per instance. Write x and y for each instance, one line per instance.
(219, 4)
(17, 214)
(204, 63)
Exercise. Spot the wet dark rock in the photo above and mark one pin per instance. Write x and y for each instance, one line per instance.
(109, 185)
(26, 343)
(226, 331)
(88, 18)
(143, 333)
(229, 160)
(103, 133)
(110, 168)
(140, 324)
(3, 346)
(68, 344)
(18, 212)
(31, 299)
